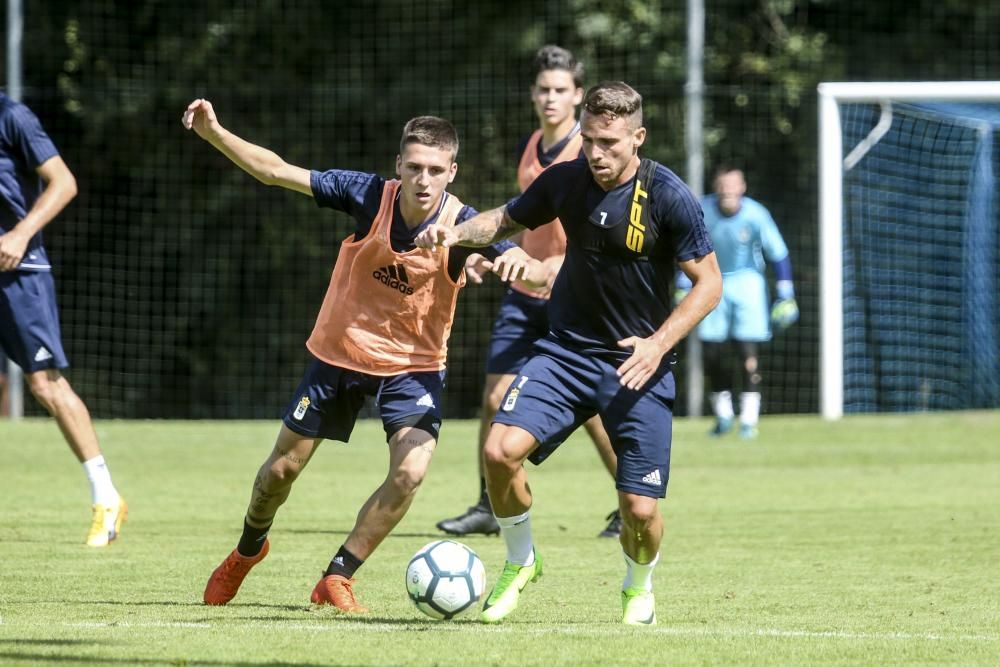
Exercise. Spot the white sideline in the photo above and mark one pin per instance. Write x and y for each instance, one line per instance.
(339, 626)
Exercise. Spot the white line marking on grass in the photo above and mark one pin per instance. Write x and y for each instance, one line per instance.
(339, 626)
(822, 634)
(130, 624)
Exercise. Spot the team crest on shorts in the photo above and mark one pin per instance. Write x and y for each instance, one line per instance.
(512, 395)
(300, 409)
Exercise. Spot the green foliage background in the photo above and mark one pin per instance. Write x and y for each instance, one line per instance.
(187, 289)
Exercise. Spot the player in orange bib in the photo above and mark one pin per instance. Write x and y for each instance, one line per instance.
(556, 91)
(382, 331)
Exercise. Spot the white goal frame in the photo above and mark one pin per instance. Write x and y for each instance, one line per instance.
(831, 204)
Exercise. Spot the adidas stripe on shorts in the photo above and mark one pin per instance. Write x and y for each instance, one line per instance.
(29, 320)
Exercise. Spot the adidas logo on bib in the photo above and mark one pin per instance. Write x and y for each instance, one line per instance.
(394, 276)
(653, 478)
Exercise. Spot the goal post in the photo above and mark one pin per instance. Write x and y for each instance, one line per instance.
(834, 165)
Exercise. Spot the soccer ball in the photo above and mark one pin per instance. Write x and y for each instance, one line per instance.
(445, 578)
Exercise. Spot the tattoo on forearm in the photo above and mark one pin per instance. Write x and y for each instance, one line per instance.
(487, 228)
(508, 227)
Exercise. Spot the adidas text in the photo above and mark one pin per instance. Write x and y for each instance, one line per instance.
(395, 277)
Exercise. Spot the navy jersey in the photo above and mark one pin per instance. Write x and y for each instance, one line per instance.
(359, 195)
(24, 147)
(616, 279)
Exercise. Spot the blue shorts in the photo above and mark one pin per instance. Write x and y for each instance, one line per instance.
(742, 314)
(560, 388)
(522, 320)
(29, 320)
(329, 398)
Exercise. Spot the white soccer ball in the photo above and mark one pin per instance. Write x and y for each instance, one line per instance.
(445, 578)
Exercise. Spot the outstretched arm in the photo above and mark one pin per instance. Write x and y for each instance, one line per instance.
(479, 231)
(264, 165)
(647, 353)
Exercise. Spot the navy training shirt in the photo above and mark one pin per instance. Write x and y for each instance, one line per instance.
(613, 284)
(360, 194)
(24, 147)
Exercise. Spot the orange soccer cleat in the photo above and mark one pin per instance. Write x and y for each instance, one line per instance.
(339, 592)
(226, 579)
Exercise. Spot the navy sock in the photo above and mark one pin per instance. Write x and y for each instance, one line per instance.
(344, 563)
(252, 539)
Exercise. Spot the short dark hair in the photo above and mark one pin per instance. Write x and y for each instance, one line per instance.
(551, 57)
(430, 131)
(615, 99)
(727, 167)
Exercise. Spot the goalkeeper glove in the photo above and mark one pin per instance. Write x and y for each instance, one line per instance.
(784, 313)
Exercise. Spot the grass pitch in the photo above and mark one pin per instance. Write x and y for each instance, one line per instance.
(873, 540)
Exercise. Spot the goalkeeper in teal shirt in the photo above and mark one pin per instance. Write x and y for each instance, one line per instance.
(745, 236)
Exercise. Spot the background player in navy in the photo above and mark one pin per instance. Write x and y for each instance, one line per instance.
(627, 221)
(556, 91)
(744, 236)
(35, 185)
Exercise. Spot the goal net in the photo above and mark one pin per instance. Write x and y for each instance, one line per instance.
(910, 246)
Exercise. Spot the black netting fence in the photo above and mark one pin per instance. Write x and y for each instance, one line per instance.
(187, 289)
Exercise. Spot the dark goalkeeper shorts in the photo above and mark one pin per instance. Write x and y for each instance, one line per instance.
(560, 388)
(329, 398)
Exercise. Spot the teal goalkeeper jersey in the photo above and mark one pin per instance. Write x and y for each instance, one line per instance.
(744, 241)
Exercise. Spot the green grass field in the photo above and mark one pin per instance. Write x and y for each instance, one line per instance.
(875, 540)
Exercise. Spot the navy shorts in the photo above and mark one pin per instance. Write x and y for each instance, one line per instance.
(329, 398)
(29, 320)
(522, 320)
(560, 388)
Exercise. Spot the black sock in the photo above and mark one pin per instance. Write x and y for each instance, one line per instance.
(484, 497)
(252, 539)
(344, 563)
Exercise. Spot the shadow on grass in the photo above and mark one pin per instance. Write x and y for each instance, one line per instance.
(313, 531)
(335, 618)
(49, 642)
(166, 603)
(146, 603)
(37, 658)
